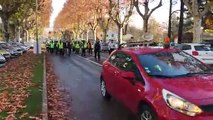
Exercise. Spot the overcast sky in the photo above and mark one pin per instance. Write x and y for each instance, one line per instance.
(161, 14)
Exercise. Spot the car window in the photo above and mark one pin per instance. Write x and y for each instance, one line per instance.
(171, 64)
(116, 59)
(201, 48)
(127, 64)
(186, 47)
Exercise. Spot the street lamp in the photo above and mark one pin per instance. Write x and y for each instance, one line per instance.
(37, 51)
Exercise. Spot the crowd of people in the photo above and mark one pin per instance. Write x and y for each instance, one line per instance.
(77, 47)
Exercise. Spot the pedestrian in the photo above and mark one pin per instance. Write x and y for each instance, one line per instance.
(77, 47)
(65, 47)
(84, 47)
(89, 47)
(166, 43)
(111, 46)
(52, 45)
(69, 47)
(97, 48)
(61, 47)
(56, 49)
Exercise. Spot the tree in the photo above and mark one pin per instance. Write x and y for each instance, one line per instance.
(147, 11)
(198, 8)
(8, 8)
(103, 18)
(18, 11)
(116, 14)
(180, 28)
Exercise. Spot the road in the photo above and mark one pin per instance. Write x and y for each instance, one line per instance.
(81, 78)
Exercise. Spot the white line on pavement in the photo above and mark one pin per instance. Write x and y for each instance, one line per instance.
(91, 61)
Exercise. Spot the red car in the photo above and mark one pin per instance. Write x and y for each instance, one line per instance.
(159, 84)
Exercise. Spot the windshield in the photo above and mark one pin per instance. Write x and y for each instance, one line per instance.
(171, 64)
(201, 48)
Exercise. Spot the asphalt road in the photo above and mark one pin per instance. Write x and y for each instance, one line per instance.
(81, 78)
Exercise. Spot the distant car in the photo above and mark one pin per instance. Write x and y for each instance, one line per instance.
(2, 61)
(199, 51)
(159, 84)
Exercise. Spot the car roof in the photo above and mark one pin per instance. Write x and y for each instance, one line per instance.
(192, 44)
(147, 50)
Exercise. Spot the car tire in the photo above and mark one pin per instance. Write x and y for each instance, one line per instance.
(104, 92)
(146, 113)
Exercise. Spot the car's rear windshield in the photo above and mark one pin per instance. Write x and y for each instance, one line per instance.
(201, 48)
(171, 64)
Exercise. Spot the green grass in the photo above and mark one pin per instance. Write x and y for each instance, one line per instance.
(34, 101)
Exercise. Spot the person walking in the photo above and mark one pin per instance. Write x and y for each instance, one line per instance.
(69, 47)
(77, 47)
(97, 48)
(61, 47)
(89, 47)
(52, 45)
(56, 49)
(84, 47)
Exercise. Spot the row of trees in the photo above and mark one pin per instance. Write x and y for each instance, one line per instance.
(82, 15)
(21, 15)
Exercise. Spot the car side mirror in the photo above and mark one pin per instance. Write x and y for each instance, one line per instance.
(128, 75)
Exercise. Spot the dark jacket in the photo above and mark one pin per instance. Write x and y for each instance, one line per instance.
(97, 46)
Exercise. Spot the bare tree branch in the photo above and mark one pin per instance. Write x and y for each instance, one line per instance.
(159, 5)
(136, 3)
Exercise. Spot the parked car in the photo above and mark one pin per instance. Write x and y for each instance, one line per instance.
(14, 52)
(2, 61)
(5, 53)
(199, 51)
(19, 47)
(104, 47)
(159, 84)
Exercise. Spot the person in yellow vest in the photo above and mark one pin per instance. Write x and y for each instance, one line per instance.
(61, 47)
(84, 47)
(77, 47)
(52, 44)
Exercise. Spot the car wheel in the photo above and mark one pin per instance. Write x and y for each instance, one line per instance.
(104, 92)
(146, 113)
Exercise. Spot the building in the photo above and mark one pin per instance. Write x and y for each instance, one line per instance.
(111, 35)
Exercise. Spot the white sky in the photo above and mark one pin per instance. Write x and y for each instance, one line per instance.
(161, 14)
(57, 7)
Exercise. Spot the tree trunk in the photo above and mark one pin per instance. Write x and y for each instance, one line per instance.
(5, 22)
(180, 29)
(120, 35)
(105, 34)
(145, 25)
(170, 18)
(87, 35)
(125, 29)
(94, 34)
(197, 30)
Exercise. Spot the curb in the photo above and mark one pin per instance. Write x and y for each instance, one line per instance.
(44, 98)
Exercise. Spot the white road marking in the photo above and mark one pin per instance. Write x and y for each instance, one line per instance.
(98, 64)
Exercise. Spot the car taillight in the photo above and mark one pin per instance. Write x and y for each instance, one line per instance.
(195, 53)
